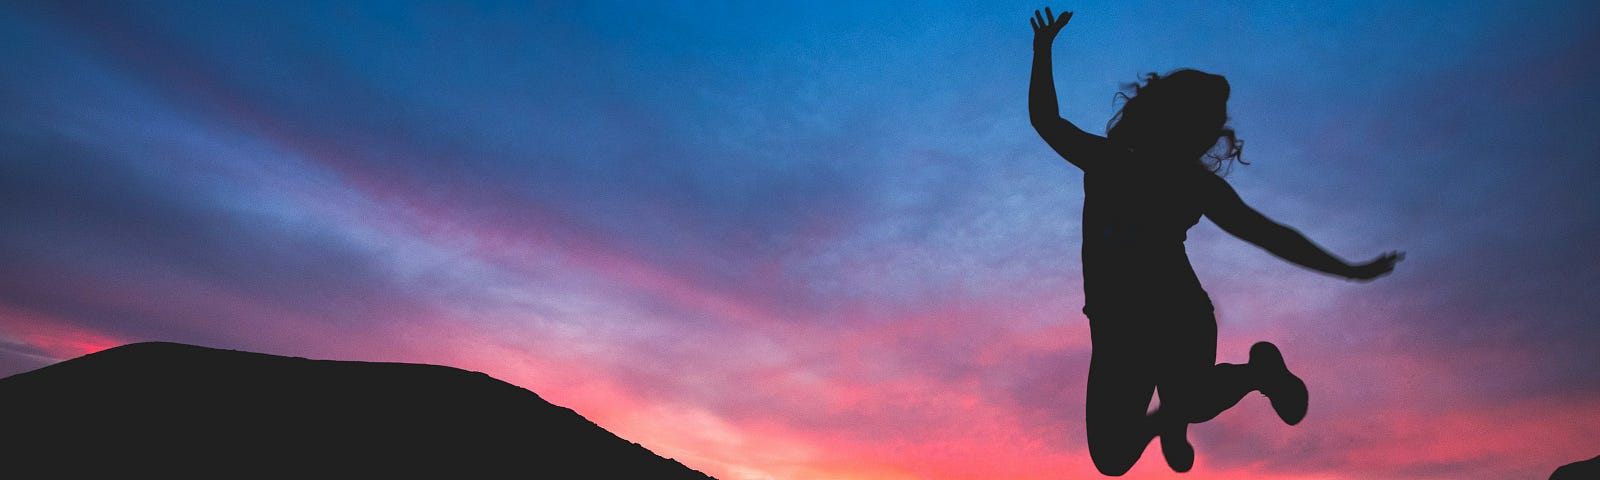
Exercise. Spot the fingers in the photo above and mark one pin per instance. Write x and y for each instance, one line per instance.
(1388, 260)
(1377, 267)
(1383, 265)
(1049, 20)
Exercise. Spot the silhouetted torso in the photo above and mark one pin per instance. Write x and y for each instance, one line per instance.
(1136, 216)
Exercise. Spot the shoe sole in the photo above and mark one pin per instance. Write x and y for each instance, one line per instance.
(1287, 392)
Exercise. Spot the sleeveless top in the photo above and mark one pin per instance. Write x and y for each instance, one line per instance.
(1136, 217)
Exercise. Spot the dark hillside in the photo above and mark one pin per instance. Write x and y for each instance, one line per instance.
(166, 408)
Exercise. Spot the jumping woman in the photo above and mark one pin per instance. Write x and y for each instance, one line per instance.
(1153, 175)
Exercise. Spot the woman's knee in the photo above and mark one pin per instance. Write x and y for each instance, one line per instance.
(1114, 460)
(1116, 446)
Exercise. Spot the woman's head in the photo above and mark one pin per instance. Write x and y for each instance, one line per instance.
(1181, 115)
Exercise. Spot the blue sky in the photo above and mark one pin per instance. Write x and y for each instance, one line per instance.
(813, 238)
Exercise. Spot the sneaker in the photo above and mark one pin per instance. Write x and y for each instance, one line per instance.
(1286, 391)
(1178, 451)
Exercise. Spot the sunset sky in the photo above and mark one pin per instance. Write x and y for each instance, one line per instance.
(817, 240)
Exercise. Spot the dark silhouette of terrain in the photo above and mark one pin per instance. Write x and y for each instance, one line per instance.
(1584, 470)
(172, 409)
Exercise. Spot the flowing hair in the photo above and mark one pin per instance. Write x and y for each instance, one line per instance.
(1166, 108)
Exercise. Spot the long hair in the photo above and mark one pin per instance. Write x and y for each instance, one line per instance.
(1182, 114)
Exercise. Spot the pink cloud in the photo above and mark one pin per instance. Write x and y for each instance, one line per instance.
(50, 336)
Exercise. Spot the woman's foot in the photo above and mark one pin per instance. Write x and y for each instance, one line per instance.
(1286, 391)
(1176, 448)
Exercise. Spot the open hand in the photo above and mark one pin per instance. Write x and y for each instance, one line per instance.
(1046, 26)
(1377, 267)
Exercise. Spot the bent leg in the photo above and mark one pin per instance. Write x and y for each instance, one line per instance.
(1119, 392)
(1206, 392)
(1116, 422)
(1192, 387)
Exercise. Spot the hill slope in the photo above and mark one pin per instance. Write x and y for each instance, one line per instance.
(167, 408)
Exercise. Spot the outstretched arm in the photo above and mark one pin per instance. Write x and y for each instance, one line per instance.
(1072, 143)
(1228, 211)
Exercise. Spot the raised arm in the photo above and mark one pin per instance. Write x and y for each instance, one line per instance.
(1072, 143)
(1227, 210)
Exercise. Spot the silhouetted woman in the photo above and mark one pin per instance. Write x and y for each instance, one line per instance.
(1145, 183)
